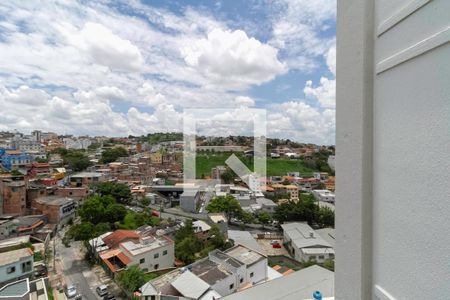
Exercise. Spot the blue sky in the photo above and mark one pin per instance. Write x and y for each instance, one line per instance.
(131, 67)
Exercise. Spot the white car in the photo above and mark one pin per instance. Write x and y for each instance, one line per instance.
(71, 291)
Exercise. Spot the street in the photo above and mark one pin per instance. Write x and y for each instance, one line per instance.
(76, 270)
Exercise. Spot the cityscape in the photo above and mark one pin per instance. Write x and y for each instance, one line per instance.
(224, 150)
(113, 217)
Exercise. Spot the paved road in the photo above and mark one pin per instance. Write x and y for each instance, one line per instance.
(76, 270)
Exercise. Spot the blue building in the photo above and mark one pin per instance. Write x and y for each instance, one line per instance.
(12, 159)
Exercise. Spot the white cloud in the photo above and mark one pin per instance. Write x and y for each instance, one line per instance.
(105, 48)
(331, 59)
(244, 101)
(297, 30)
(297, 120)
(325, 93)
(234, 59)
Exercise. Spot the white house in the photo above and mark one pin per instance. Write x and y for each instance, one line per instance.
(220, 274)
(305, 244)
(324, 195)
(15, 265)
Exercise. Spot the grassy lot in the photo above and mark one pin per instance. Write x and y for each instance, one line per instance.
(275, 167)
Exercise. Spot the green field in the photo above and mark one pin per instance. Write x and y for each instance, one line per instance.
(275, 167)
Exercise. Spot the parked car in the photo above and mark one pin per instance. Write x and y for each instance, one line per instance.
(71, 291)
(109, 297)
(276, 245)
(102, 290)
(155, 213)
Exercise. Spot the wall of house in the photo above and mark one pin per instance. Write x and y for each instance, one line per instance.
(259, 271)
(13, 195)
(163, 261)
(18, 274)
(393, 117)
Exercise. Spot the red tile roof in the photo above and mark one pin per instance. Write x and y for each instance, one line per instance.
(119, 236)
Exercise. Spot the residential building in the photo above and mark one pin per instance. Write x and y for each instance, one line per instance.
(298, 285)
(321, 175)
(189, 200)
(25, 289)
(220, 220)
(201, 229)
(156, 158)
(85, 178)
(245, 239)
(15, 159)
(7, 226)
(38, 170)
(267, 205)
(218, 275)
(290, 189)
(324, 196)
(15, 265)
(13, 193)
(59, 210)
(304, 244)
(148, 253)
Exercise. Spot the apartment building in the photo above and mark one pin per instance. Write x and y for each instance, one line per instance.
(59, 210)
(13, 193)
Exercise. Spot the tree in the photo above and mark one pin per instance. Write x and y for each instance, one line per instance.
(81, 232)
(325, 217)
(216, 238)
(94, 209)
(112, 154)
(186, 249)
(120, 191)
(132, 278)
(228, 176)
(226, 204)
(76, 160)
(246, 217)
(115, 212)
(264, 218)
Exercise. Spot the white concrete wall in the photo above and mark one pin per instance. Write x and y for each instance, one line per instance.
(163, 261)
(259, 271)
(393, 125)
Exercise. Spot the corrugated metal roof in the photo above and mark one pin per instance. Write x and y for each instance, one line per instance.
(190, 285)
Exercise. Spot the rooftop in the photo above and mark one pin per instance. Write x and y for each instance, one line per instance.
(54, 200)
(118, 236)
(189, 285)
(244, 238)
(86, 174)
(146, 244)
(295, 286)
(217, 217)
(302, 235)
(245, 255)
(14, 256)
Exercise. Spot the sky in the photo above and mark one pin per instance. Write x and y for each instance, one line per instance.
(120, 68)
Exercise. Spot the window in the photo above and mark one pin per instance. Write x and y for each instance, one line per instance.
(241, 280)
(156, 255)
(142, 261)
(11, 270)
(331, 255)
(156, 266)
(321, 257)
(231, 286)
(26, 267)
(165, 252)
(251, 274)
